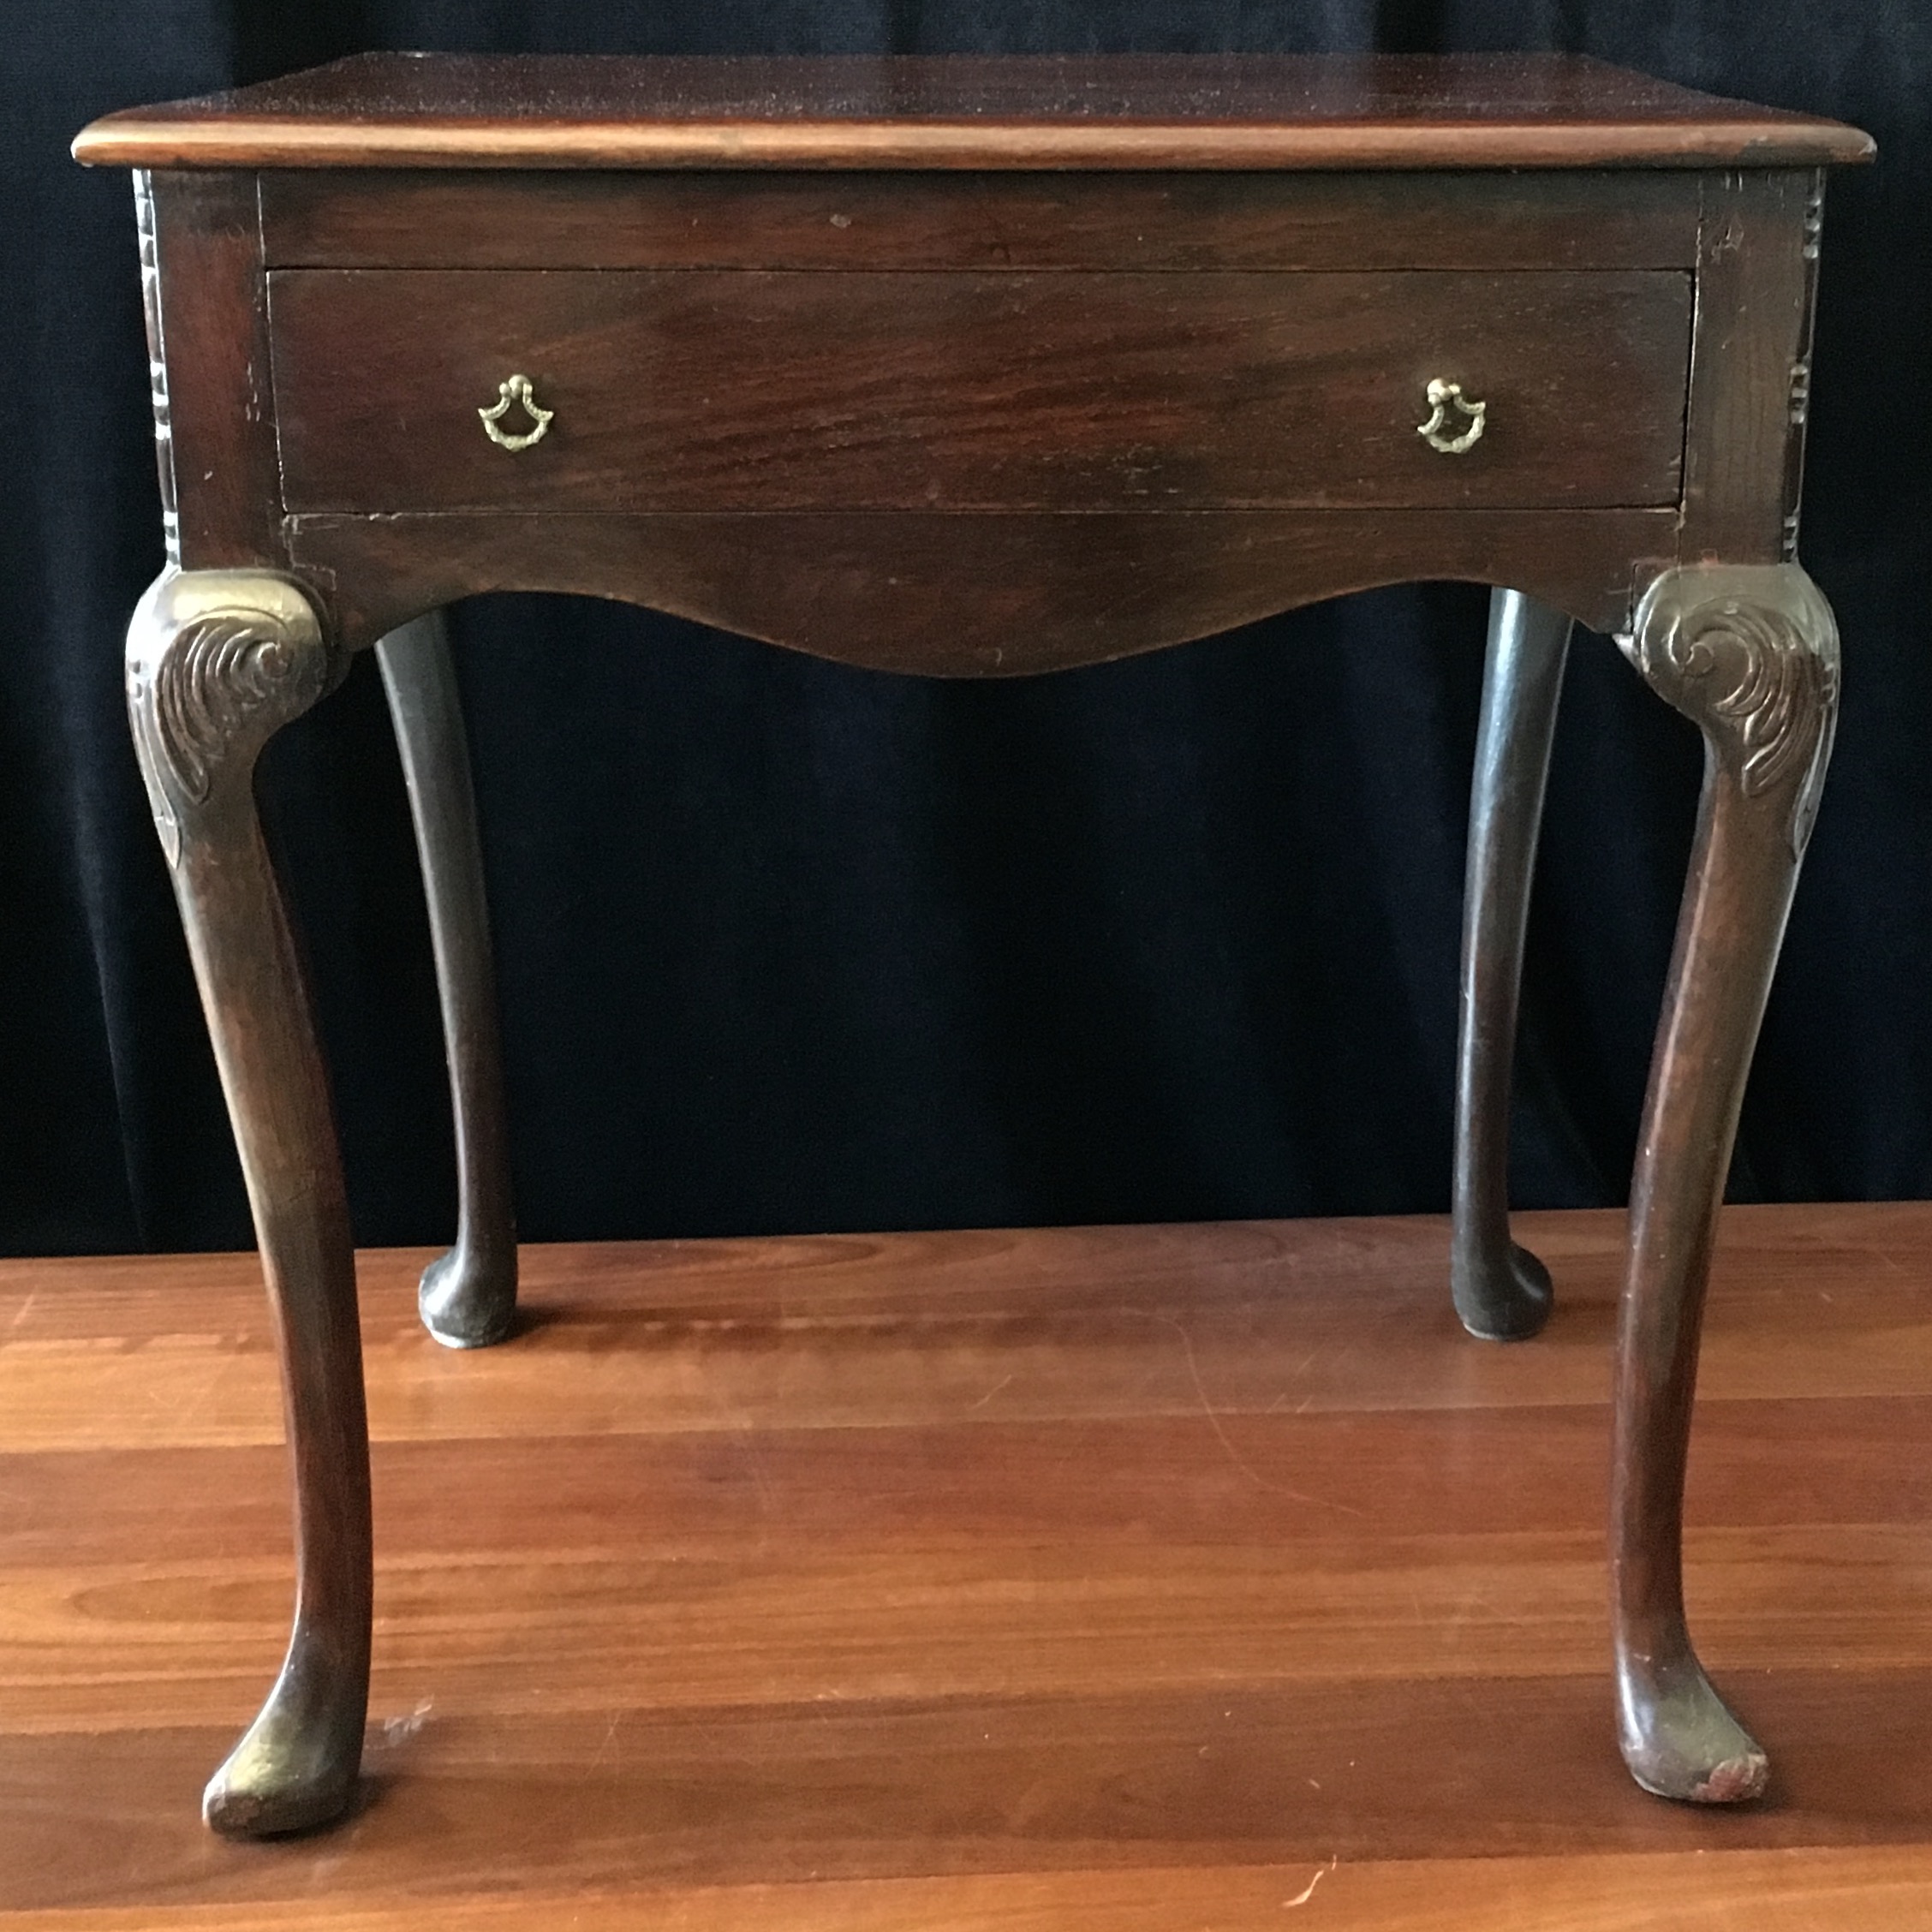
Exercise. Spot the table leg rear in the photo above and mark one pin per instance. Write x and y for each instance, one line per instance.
(1502, 1291)
(469, 1295)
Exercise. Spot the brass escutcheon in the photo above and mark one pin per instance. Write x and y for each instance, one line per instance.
(515, 389)
(1442, 397)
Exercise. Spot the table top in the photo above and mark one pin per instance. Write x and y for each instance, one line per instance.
(1072, 111)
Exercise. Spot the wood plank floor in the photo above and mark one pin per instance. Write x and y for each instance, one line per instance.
(1122, 1580)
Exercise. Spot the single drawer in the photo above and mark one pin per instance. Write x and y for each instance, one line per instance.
(749, 391)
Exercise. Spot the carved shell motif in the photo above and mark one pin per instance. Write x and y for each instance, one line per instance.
(1750, 653)
(217, 661)
(221, 673)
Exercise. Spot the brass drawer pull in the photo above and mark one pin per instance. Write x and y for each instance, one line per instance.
(515, 389)
(1442, 397)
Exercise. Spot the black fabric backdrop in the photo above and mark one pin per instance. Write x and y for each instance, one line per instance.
(785, 945)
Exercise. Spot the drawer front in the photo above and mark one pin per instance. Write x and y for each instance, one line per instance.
(748, 390)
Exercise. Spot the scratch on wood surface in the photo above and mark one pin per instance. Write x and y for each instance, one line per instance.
(992, 1392)
(746, 1432)
(1227, 1442)
(394, 1730)
(1308, 1891)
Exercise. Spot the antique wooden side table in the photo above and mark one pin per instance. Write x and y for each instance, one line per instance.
(972, 367)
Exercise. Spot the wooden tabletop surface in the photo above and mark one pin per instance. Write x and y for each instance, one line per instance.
(1133, 1580)
(1225, 111)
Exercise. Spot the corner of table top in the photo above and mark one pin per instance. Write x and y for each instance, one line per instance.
(1232, 112)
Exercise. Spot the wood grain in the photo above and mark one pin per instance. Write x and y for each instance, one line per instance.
(215, 369)
(1751, 370)
(1685, 1891)
(746, 391)
(1122, 1578)
(1110, 1324)
(635, 1799)
(899, 1615)
(1233, 111)
(1179, 223)
(982, 595)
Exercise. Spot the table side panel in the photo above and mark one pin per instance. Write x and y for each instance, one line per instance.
(749, 391)
(1751, 380)
(333, 218)
(212, 393)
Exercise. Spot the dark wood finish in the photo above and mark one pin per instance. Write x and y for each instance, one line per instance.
(363, 219)
(975, 596)
(211, 382)
(704, 390)
(468, 1296)
(218, 662)
(994, 1578)
(1137, 369)
(157, 362)
(1751, 655)
(1501, 1291)
(1750, 382)
(1235, 111)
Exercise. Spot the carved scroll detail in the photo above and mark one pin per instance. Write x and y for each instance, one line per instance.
(1751, 653)
(218, 662)
(219, 673)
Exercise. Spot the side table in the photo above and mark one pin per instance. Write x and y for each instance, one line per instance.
(974, 368)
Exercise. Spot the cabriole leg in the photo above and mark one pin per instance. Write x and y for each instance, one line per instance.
(1751, 655)
(218, 662)
(469, 1295)
(1502, 1291)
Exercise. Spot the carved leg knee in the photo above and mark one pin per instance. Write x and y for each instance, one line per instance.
(1751, 655)
(218, 662)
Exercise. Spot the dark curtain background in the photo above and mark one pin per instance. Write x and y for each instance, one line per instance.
(785, 945)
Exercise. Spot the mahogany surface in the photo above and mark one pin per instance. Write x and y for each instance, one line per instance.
(736, 389)
(985, 595)
(1379, 111)
(1122, 1578)
(361, 218)
(1077, 398)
